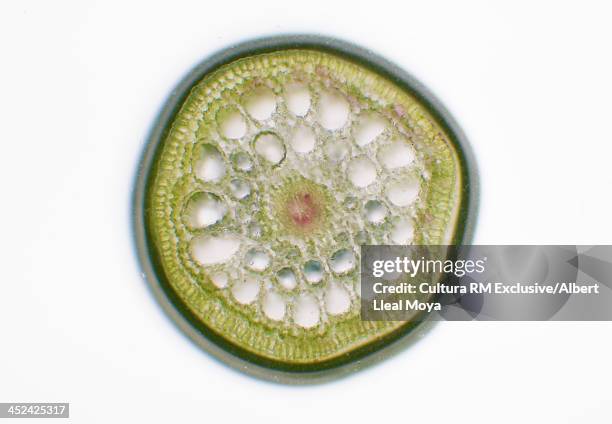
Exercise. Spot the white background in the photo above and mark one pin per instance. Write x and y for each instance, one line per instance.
(81, 83)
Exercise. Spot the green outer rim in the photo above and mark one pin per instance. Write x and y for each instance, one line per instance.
(151, 266)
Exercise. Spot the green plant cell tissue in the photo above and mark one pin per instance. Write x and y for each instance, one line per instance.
(270, 172)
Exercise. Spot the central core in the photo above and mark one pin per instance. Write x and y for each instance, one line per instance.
(303, 210)
(301, 206)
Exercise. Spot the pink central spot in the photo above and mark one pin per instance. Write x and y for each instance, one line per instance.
(303, 210)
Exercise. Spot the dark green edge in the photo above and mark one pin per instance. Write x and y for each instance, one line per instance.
(152, 271)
